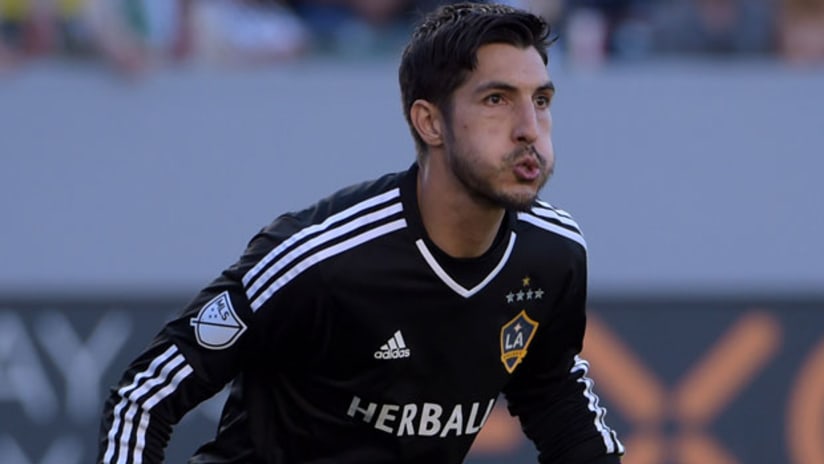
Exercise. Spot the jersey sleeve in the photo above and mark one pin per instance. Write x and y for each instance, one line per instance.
(550, 392)
(192, 358)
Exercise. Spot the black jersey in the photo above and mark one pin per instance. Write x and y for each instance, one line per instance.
(349, 337)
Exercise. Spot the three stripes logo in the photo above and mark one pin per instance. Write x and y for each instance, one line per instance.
(394, 348)
(554, 220)
(126, 438)
(342, 231)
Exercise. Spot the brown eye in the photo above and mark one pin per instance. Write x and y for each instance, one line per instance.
(495, 99)
(542, 101)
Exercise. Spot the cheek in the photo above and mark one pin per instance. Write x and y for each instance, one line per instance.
(549, 151)
(481, 137)
(546, 123)
(544, 143)
(482, 127)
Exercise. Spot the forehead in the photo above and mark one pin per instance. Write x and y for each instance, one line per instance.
(520, 67)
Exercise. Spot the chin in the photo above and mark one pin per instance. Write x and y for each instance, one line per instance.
(518, 201)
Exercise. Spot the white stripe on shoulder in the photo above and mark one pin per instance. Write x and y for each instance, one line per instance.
(608, 436)
(557, 210)
(351, 211)
(319, 240)
(323, 254)
(554, 228)
(553, 214)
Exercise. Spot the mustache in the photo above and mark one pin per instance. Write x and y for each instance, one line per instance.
(518, 153)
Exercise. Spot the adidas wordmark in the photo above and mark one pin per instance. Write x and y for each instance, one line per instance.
(394, 348)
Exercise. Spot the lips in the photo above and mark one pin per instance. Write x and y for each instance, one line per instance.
(527, 169)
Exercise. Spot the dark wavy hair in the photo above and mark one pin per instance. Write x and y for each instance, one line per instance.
(443, 50)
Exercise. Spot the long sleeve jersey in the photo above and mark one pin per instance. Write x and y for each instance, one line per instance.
(349, 337)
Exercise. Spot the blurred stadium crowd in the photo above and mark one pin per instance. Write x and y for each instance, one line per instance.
(136, 35)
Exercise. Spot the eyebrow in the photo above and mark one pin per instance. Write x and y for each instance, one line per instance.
(549, 86)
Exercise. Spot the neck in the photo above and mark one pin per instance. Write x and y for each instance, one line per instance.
(460, 225)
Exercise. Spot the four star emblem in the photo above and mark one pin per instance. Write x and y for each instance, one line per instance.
(527, 294)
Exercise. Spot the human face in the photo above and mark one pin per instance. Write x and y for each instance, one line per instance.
(498, 136)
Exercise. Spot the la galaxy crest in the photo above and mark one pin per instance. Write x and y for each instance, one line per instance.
(515, 338)
(516, 335)
(217, 325)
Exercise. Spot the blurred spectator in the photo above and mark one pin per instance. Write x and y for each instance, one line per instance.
(801, 31)
(133, 35)
(592, 31)
(621, 27)
(136, 34)
(360, 27)
(720, 27)
(248, 32)
(550, 10)
(84, 29)
(163, 28)
(21, 30)
(353, 26)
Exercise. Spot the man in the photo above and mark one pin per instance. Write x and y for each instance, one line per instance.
(381, 324)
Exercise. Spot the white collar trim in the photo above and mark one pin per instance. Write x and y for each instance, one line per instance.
(450, 282)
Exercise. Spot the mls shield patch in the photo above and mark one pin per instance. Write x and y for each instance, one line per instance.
(515, 338)
(217, 325)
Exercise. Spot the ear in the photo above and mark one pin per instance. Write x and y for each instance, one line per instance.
(428, 122)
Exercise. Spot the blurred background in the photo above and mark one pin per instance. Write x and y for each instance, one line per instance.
(143, 142)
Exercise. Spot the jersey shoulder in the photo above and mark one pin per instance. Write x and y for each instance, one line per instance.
(549, 219)
(295, 243)
(352, 201)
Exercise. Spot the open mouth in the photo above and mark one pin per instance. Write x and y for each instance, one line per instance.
(527, 168)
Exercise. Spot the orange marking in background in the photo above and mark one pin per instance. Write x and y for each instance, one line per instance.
(722, 372)
(644, 448)
(624, 380)
(727, 368)
(501, 434)
(698, 449)
(805, 418)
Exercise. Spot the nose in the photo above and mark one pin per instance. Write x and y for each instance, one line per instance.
(526, 126)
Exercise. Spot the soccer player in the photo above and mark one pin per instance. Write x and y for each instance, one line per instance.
(381, 324)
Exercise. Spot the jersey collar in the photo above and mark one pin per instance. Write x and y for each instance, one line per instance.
(465, 276)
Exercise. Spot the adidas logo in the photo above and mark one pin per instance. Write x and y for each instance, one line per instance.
(394, 348)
